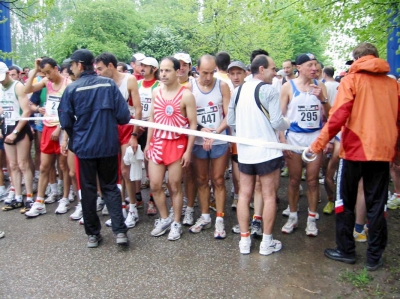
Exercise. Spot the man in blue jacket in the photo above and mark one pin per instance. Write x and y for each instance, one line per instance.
(90, 111)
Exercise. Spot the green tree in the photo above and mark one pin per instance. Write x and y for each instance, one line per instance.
(101, 25)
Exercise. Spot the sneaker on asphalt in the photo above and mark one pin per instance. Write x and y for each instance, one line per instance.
(286, 212)
(81, 221)
(234, 204)
(285, 172)
(188, 219)
(212, 205)
(122, 239)
(256, 229)
(104, 211)
(132, 219)
(93, 241)
(329, 208)
(10, 196)
(175, 231)
(63, 206)
(77, 214)
(3, 193)
(51, 198)
(290, 225)
(236, 229)
(244, 247)
(267, 249)
(321, 181)
(199, 225)
(12, 205)
(151, 208)
(161, 226)
(251, 205)
(311, 229)
(2, 234)
(393, 202)
(27, 207)
(219, 232)
(100, 204)
(108, 223)
(71, 196)
(360, 237)
(36, 209)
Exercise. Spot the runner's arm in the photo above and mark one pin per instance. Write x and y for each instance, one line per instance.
(226, 96)
(29, 86)
(134, 93)
(191, 114)
(24, 104)
(231, 117)
(269, 98)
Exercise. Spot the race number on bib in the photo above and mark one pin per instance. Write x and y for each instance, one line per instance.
(308, 116)
(52, 105)
(146, 105)
(9, 115)
(209, 117)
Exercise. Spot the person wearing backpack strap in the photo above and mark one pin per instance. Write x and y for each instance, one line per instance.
(254, 112)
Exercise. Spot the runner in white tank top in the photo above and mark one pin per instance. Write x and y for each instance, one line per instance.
(106, 65)
(301, 101)
(212, 100)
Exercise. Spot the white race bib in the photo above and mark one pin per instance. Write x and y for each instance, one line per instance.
(308, 116)
(146, 105)
(52, 105)
(209, 117)
(9, 115)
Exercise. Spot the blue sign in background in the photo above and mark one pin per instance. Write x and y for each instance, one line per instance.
(5, 32)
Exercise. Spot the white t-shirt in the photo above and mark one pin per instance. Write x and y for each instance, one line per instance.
(332, 89)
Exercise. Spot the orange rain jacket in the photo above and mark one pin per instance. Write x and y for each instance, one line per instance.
(367, 107)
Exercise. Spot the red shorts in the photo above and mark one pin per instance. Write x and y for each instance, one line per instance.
(165, 151)
(48, 146)
(124, 133)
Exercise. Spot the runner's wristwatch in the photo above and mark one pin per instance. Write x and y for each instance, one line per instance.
(15, 132)
(324, 101)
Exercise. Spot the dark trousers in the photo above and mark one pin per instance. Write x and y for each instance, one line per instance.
(107, 171)
(376, 181)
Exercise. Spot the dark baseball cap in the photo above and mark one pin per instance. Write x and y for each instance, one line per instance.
(302, 58)
(83, 56)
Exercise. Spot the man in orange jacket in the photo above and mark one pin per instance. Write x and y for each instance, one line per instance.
(366, 107)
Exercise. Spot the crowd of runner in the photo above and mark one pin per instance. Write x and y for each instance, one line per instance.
(258, 101)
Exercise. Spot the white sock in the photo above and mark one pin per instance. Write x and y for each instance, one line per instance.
(2, 188)
(132, 207)
(53, 187)
(189, 209)
(206, 217)
(267, 238)
(293, 214)
(246, 239)
(219, 218)
(60, 182)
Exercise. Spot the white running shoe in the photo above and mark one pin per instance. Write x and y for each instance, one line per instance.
(290, 225)
(188, 219)
(53, 197)
(3, 193)
(36, 209)
(71, 196)
(200, 224)
(132, 219)
(244, 246)
(63, 206)
(175, 231)
(219, 232)
(100, 204)
(311, 229)
(236, 229)
(108, 223)
(161, 226)
(10, 197)
(78, 214)
(393, 202)
(81, 221)
(256, 228)
(234, 204)
(286, 212)
(267, 249)
(104, 211)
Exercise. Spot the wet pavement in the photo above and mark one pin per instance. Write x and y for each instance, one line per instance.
(47, 257)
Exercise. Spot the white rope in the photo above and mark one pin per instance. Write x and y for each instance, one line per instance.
(227, 138)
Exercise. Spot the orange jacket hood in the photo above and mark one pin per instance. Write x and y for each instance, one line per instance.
(370, 64)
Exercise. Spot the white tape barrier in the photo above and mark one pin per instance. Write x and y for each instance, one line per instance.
(227, 138)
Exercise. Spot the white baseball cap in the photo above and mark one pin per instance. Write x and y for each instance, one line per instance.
(184, 57)
(139, 56)
(3, 71)
(150, 61)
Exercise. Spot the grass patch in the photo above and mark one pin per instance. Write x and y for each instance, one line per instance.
(359, 279)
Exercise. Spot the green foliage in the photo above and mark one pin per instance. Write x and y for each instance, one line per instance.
(99, 26)
(160, 42)
(359, 279)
